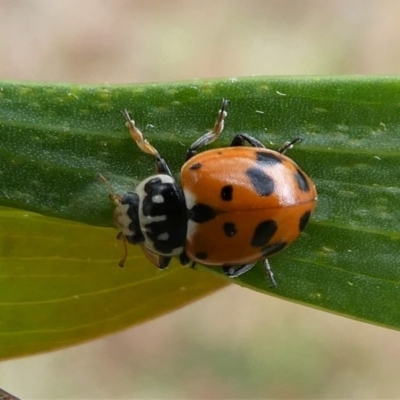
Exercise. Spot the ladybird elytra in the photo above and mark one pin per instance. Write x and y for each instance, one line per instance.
(232, 207)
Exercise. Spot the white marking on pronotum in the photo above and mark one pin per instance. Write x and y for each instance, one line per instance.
(163, 236)
(157, 199)
(148, 219)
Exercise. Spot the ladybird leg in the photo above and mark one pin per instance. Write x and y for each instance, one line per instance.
(289, 145)
(269, 273)
(193, 265)
(162, 167)
(144, 145)
(234, 272)
(210, 136)
(239, 140)
(160, 262)
(163, 262)
(184, 259)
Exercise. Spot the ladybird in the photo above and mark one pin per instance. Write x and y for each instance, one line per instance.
(234, 206)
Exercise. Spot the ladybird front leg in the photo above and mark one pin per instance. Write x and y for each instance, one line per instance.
(145, 146)
(210, 136)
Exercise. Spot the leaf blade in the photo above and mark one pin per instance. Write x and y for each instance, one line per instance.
(56, 138)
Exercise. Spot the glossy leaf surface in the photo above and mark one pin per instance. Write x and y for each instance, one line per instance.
(56, 138)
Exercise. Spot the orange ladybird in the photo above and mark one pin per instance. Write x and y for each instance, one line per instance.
(235, 205)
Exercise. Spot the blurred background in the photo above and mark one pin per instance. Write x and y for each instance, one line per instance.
(235, 343)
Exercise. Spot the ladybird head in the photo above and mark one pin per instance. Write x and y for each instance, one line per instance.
(153, 217)
(126, 217)
(126, 214)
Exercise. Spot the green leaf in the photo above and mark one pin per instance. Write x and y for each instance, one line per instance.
(61, 284)
(56, 138)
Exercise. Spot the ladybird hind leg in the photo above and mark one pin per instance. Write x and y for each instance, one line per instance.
(210, 136)
(145, 146)
(269, 273)
(234, 272)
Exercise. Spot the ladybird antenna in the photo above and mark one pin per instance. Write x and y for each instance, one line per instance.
(115, 198)
(122, 261)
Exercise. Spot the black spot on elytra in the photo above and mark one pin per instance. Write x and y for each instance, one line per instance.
(226, 193)
(201, 255)
(267, 159)
(271, 249)
(262, 183)
(263, 233)
(195, 166)
(304, 220)
(201, 213)
(229, 229)
(301, 181)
